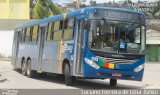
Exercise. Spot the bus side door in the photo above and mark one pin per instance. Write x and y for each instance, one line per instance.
(40, 43)
(78, 63)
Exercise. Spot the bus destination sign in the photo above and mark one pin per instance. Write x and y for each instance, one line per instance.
(119, 15)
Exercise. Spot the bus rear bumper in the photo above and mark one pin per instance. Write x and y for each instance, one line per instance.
(103, 73)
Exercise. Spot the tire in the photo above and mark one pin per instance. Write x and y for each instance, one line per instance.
(113, 82)
(24, 67)
(68, 77)
(30, 73)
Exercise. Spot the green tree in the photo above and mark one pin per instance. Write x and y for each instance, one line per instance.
(44, 8)
(149, 15)
(157, 10)
(155, 13)
(32, 4)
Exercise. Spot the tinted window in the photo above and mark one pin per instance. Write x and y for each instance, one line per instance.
(57, 35)
(27, 35)
(35, 34)
(68, 29)
(49, 33)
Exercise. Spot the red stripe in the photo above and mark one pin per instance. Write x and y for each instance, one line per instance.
(106, 64)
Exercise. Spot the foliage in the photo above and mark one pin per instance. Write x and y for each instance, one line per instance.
(157, 10)
(155, 13)
(44, 8)
(149, 15)
(55, 10)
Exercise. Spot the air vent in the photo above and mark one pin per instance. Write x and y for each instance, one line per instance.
(118, 61)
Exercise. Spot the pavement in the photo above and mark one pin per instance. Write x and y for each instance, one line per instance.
(5, 59)
(15, 80)
(2, 79)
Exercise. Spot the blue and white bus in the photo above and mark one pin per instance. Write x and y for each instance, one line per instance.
(93, 43)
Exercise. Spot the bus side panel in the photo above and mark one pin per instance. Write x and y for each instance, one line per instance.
(50, 57)
(68, 53)
(54, 54)
(27, 50)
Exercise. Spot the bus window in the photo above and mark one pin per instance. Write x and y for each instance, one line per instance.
(27, 35)
(65, 24)
(21, 36)
(48, 33)
(49, 26)
(48, 36)
(35, 33)
(57, 35)
(56, 25)
(61, 25)
(31, 33)
(52, 35)
(68, 29)
(52, 31)
(57, 30)
(24, 34)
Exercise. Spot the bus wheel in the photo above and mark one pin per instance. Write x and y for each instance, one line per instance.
(30, 73)
(68, 78)
(113, 82)
(23, 67)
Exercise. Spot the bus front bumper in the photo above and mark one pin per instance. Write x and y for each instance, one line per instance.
(103, 73)
(119, 74)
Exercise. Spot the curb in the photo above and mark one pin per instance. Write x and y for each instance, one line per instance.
(2, 79)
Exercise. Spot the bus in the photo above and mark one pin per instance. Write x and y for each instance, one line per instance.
(88, 43)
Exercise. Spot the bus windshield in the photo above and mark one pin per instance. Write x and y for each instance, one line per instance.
(116, 37)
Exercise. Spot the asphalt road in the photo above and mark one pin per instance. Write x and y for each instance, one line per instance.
(15, 80)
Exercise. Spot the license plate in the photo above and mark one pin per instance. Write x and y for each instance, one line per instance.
(116, 75)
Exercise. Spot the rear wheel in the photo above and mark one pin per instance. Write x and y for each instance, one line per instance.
(113, 82)
(30, 72)
(68, 77)
(24, 67)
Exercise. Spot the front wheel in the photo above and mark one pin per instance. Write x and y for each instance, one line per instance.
(113, 82)
(68, 77)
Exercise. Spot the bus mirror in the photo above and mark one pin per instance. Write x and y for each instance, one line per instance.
(96, 12)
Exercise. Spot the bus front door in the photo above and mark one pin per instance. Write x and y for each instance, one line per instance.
(78, 66)
(40, 43)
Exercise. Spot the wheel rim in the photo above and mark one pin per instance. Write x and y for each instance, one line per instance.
(29, 68)
(23, 68)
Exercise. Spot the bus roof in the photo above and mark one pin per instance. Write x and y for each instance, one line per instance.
(71, 14)
(118, 9)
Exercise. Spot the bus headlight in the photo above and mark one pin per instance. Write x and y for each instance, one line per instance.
(139, 68)
(91, 63)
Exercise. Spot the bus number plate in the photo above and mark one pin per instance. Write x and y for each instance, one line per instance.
(117, 75)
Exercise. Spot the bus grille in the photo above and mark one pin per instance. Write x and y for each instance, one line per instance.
(117, 61)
